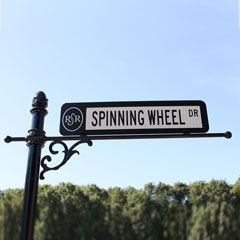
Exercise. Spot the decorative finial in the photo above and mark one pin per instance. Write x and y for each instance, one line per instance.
(40, 100)
(228, 135)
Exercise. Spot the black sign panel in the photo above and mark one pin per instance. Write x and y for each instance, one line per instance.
(102, 118)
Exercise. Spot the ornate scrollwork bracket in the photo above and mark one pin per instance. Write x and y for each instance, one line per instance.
(68, 153)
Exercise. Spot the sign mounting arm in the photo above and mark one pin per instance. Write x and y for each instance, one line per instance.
(226, 135)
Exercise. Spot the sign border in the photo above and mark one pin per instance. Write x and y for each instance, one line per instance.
(85, 105)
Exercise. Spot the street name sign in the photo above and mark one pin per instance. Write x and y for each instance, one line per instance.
(101, 118)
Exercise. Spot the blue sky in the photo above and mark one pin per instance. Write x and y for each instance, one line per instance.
(128, 50)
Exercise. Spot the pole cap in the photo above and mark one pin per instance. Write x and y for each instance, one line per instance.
(40, 100)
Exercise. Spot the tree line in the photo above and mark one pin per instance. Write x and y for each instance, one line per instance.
(198, 211)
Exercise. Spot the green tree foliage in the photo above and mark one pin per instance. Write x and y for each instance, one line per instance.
(10, 214)
(199, 211)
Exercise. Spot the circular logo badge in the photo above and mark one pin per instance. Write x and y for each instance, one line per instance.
(72, 119)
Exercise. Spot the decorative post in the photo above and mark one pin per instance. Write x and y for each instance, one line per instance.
(35, 142)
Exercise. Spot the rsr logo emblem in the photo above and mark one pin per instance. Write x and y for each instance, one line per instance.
(72, 119)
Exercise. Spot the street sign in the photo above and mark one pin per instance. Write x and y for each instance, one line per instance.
(101, 118)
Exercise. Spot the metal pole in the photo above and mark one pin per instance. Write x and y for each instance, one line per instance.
(35, 144)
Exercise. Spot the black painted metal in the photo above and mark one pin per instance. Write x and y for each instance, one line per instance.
(68, 153)
(227, 135)
(35, 142)
(140, 136)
